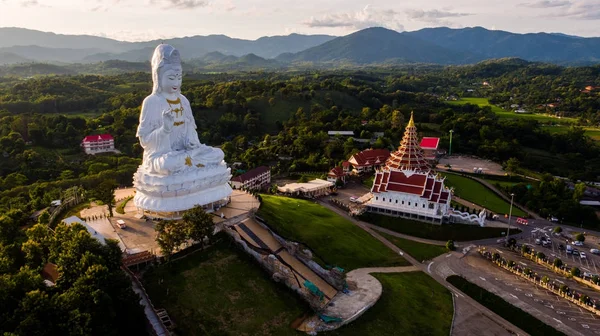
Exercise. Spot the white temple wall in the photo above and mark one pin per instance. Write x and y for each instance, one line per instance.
(406, 203)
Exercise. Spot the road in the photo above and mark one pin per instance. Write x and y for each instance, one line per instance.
(474, 318)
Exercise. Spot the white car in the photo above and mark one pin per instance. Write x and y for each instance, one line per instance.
(594, 251)
(582, 255)
(577, 243)
(554, 219)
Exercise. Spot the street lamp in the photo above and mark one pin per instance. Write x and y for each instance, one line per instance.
(512, 196)
(450, 150)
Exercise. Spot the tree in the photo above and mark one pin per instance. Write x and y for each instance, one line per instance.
(579, 191)
(545, 279)
(525, 249)
(580, 237)
(450, 245)
(557, 263)
(575, 271)
(44, 217)
(557, 229)
(171, 234)
(105, 192)
(397, 119)
(199, 224)
(512, 165)
(541, 255)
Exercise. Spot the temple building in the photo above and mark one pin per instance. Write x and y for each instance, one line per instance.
(368, 160)
(406, 187)
(102, 143)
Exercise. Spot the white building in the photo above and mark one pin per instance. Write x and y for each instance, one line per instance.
(102, 143)
(314, 188)
(257, 178)
(406, 187)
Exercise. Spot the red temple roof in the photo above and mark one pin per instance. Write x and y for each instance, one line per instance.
(371, 157)
(98, 137)
(250, 174)
(429, 143)
(336, 172)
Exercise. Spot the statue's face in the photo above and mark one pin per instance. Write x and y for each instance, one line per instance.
(171, 81)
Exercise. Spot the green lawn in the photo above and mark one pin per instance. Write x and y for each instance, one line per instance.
(456, 232)
(504, 114)
(419, 251)
(334, 239)
(473, 191)
(368, 182)
(223, 291)
(592, 132)
(514, 315)
(411, 304)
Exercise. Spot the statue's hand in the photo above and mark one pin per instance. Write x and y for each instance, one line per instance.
(168, 120)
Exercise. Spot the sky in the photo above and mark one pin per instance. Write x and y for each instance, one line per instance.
(140, 20)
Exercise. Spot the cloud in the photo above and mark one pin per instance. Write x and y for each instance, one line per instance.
(180, 4)
(546, 4)
(30, 3)
(365, 18)
(580, 10)
(433, 16)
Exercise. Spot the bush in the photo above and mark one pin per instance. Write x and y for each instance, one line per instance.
(557, 262)
(540, 255)
(575, 271)
(580, 237)
(557, 229)
(450, 245)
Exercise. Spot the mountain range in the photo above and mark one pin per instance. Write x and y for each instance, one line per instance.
(368, 46)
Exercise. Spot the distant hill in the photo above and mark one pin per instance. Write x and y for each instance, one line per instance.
(11, 58)
(368, 46)
(542, 47)
(49, 46)
(378, 45)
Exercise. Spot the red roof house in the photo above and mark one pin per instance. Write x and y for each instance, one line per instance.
(100, 143)
(369, 159)
(256, 178)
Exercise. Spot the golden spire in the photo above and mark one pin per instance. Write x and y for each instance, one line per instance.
(411, 122)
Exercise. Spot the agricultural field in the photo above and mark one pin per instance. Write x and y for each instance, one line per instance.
(334, 240)
(504, 114)
(592, 132)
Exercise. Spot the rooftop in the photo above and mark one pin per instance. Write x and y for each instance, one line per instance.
(98, 137)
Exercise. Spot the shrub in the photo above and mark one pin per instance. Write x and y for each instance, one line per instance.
(575, 271)
(580, 237)
(450, 245)
(557, 262)
(540, 255)
(557, 229)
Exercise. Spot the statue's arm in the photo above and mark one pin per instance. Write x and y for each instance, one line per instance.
(151, 130)
(193, 140)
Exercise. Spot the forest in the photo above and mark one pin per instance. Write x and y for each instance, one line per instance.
(279, 119)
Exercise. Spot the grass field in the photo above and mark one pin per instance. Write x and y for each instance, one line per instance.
(514, 315)
(479, 194)
(334, 240)
(456, 232)
(405, 308)
(222, 291)
(592, 132)
(504, 114)
(419, 251)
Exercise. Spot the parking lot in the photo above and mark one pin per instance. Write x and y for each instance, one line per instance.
(590, 264)
(543, 304)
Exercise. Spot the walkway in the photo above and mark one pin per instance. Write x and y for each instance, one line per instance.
(461, 299)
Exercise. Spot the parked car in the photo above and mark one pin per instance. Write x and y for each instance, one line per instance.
(538, 241)
(594, 251)
(569, 249)
(121, 224)
(582, 255)
(577, 243)
(546, 243)
(554, 219)
(575, 252)
(353, 199)
(561, 247)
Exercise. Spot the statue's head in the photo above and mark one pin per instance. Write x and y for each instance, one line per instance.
(166, 69)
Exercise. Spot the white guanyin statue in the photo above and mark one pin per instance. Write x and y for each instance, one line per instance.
(177, 171)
